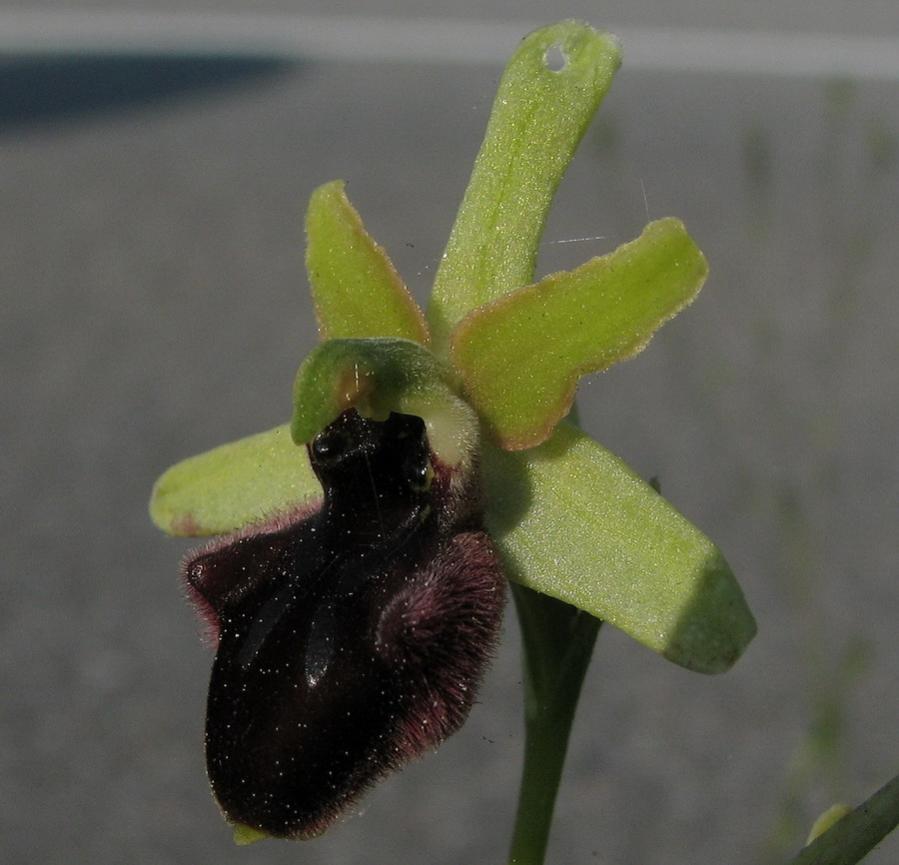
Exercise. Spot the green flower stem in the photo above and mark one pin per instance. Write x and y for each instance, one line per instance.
(852, 837)
(558, 643)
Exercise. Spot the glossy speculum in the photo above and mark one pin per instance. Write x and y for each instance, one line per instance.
(350, 638)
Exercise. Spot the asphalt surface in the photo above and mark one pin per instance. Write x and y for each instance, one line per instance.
(154, 305)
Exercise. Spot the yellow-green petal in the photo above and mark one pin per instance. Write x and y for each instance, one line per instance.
(522, 355)
(355, 287)
(573, 521)
(233, 485)
(376, 377)
(539, 116)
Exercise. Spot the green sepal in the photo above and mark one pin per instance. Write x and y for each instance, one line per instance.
(539, 116)
(521, 356)
(356, 290)
(376, 377)
(234, 485)
(574, 522)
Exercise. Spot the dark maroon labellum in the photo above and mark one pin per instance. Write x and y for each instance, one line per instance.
(351, 638)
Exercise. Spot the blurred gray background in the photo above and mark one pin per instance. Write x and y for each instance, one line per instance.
(154, 305)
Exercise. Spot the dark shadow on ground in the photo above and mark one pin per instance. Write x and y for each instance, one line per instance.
(37, 90)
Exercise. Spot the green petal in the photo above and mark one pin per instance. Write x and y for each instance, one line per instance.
(573, 521)
(378, 376)
(234, 485)
(538, 119)
(521, 356)
(356, 289)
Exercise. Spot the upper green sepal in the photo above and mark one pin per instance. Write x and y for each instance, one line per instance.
(522, 355)
(574, 522)
(234, 485)
(538, 118)
(376, 377)
(355, 287)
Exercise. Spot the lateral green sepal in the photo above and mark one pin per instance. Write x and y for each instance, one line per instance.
(234, 485)
(574, 522)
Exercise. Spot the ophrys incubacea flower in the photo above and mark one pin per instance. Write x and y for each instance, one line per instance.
(491, 372)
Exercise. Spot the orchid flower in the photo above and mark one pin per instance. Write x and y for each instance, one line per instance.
(506, 484)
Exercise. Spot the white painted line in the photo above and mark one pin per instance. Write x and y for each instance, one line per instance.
(269, 35)
(456, 41)
(758, 53)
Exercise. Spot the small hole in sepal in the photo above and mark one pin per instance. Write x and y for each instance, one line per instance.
(555, 58)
